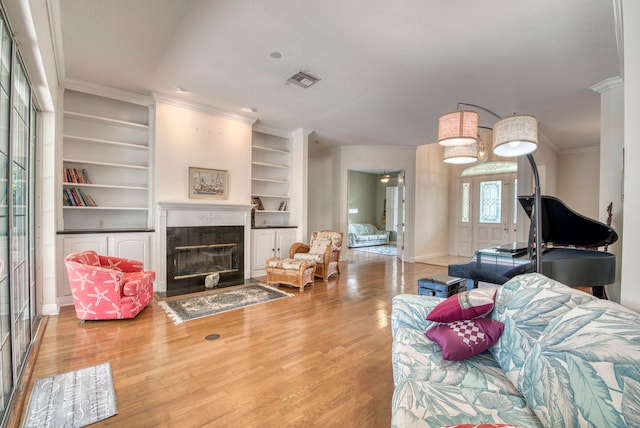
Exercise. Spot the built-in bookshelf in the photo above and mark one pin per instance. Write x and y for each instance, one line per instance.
(105, 171)
(270, 179)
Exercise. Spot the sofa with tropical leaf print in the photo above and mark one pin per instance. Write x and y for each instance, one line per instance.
(565, 359)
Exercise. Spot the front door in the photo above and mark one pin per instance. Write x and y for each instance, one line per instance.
(486, 210)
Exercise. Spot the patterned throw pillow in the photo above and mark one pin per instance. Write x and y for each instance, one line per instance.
(462, 339)
(319, 246)
(471, 304)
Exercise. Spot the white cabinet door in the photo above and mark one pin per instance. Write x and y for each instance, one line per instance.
(284, 240)
(267, 243)
(72, 244)
(131, 246)
(262, 248)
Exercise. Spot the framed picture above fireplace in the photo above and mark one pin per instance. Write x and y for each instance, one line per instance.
(208, 183)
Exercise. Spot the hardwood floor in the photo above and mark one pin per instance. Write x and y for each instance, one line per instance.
(321, 358)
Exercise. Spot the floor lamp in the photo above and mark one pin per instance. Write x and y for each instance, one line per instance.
(513, 136)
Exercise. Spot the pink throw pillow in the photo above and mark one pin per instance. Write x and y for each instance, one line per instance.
(462, 339)
(471, 304)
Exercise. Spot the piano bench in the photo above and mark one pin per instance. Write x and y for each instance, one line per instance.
(441, 286)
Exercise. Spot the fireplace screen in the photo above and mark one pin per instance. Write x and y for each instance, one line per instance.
(202, 260)
(194, 252)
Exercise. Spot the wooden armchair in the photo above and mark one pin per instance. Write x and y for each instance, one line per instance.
(324, 249)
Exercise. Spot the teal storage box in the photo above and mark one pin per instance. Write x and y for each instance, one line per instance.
(441, 286)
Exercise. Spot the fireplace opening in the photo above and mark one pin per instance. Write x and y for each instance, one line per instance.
(195, 252)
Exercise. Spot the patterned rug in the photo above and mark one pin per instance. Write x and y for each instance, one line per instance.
(215, 302)
(73, 399)
(385, 250)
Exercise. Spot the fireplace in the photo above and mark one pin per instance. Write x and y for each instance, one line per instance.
(199, 239)
(194, 252)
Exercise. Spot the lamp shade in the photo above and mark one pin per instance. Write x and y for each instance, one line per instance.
(458, 128)
(515, 136)
(460, 154)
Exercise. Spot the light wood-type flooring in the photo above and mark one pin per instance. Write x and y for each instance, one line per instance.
(319, 359)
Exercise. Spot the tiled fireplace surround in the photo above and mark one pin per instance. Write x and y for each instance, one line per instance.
(199, 214)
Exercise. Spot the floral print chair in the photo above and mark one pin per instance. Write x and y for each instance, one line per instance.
(105, 287)
(324, 249)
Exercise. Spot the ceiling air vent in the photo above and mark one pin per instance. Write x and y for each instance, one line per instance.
(303, 79)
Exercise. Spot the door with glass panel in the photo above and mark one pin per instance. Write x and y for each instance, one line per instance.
(486, 212)
(17, 220)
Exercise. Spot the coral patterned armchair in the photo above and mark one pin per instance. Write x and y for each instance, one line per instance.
(105, 287)
(324, 249)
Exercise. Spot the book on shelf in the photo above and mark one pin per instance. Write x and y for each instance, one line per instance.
(76, 197)
(75, 175)
(283, 206)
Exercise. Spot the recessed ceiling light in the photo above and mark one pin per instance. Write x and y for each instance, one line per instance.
(180, 90)
(250, 109)
(275, 55)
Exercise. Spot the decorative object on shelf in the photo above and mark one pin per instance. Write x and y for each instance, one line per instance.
(257, 203)
(283, 206)
(513, 136)
(208, 183)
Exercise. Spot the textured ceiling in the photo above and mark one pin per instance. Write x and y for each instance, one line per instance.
(388, 70)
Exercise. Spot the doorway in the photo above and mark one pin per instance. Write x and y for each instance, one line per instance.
(375, 200)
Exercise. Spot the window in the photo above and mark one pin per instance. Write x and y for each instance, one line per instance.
(490, 201)
(17, 216)
(465, 202)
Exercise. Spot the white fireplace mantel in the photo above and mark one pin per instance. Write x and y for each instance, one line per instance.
(185, 214)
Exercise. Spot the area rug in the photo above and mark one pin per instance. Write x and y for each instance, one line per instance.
(73, 399)
(215, 302)
(385, 250)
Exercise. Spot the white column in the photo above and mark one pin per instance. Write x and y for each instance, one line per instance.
(298, 181)
(630, 286)
(611, 168)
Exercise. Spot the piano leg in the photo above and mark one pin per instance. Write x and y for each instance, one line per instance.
(599, 292)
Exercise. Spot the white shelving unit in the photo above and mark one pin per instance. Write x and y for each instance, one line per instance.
(270, 179)
(110, 140)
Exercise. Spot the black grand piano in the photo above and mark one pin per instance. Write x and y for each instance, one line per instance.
(569, 254)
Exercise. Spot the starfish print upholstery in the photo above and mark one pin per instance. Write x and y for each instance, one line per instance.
(107, 287)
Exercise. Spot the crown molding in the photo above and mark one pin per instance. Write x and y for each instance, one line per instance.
(272, 131)
(591, 149)
(202, 108)
(606, 84)
(305, 132)
(109, 92)
(55, 29)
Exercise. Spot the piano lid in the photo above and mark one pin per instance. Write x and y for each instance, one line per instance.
(563, 226)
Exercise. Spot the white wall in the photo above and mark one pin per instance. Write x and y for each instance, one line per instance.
(323, 204)
(432, 203)
(630, 286)
(579, 181)
(186, 137)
